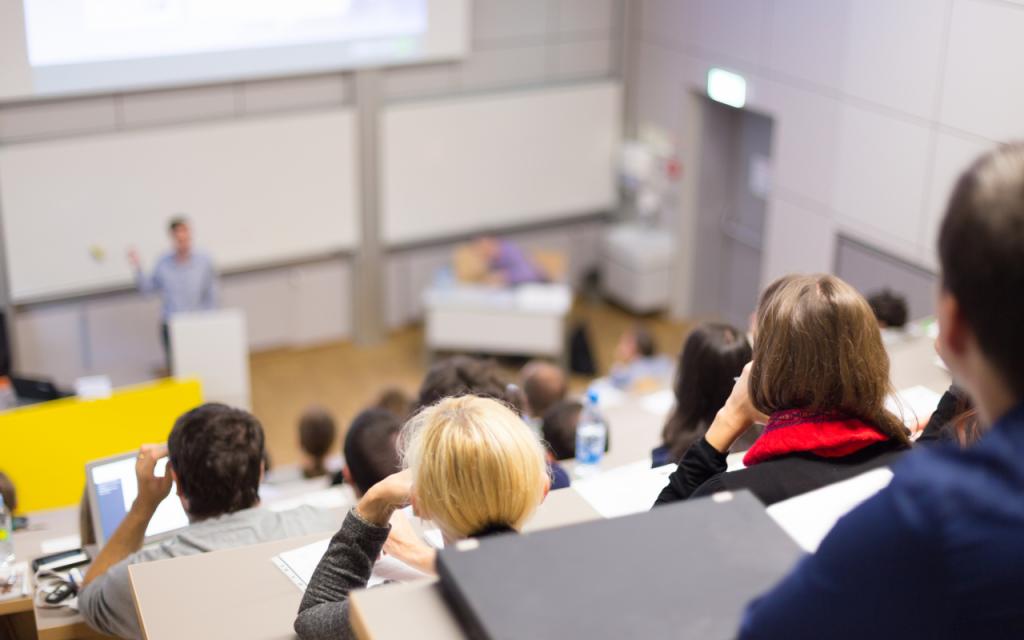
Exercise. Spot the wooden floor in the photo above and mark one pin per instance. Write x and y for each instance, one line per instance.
(345, 378)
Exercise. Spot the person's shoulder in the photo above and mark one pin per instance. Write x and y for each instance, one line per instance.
(945, 479)
(300, 520)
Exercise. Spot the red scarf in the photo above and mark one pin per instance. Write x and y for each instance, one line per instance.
(829, 435)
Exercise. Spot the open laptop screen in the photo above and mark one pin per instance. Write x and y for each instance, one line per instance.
(112, 489)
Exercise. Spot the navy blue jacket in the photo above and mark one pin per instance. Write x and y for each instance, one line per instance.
(939, 553)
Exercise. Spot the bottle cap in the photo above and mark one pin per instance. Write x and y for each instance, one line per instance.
(592, 396)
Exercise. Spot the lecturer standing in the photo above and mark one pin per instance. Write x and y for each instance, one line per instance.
(184, 278)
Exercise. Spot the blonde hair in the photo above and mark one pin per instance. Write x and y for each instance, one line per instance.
(818, 348)
(475, 464)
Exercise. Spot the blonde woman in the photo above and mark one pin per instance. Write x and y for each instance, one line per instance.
(473, 467)
(819, 379)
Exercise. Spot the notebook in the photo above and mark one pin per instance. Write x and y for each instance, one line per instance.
(685, 570)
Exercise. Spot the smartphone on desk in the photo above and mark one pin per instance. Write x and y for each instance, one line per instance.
(61, 561)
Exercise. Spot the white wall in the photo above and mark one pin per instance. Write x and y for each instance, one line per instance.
(877, 106)
(515, 45)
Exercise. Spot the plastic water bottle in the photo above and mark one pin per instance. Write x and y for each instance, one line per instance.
(6, 528)
(591, 435)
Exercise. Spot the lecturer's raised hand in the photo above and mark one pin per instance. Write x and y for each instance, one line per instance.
(738, 415)
(133, 259)
(152, 488)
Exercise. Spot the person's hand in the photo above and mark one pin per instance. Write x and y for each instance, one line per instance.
(738, 415)
(152, 488)
(405, 544)
(133, 259)
(391, 493)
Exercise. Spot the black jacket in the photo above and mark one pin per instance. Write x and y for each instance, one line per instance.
(702, 472)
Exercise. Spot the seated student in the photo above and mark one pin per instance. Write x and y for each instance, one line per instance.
(955, 419)
(506, 263)
(462, 375)
(543, 385)
(559, 429)
(459, 455)
(709, 363)
(316, 437)
(397, 401)
(638, 365)
(215, 458)
(821, 373)
(890, 309)
(370, 450)
(939, 553)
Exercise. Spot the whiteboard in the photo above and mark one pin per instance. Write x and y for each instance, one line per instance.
(258, 191)
(463, 165)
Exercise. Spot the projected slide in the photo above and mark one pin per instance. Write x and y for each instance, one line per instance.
(74, 46)
(75, 31)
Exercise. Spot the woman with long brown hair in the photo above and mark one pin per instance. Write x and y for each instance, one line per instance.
(818, 380)
(711, 359)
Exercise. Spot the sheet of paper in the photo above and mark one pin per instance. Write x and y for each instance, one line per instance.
(660, 402)
(333, 498)
(56, 545)
(914, 404)
(628, 489)
(809, 517)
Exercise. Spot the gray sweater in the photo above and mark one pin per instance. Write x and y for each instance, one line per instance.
(347, 565)
(107, 603)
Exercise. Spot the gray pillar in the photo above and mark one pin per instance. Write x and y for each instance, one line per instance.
(368, 272)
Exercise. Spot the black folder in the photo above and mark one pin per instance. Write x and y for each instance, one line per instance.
(685, 570)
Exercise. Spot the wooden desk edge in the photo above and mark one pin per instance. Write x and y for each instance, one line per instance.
(17, 605)
(355, 619)
(135, 601)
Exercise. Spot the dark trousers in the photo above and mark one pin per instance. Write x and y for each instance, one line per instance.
(165, 340)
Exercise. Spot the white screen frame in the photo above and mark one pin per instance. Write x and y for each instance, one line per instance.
(172, 501)
(446, 39)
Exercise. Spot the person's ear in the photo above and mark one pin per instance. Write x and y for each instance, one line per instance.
(547, 490)
(954, 333)
(347, 474)
(177, 487)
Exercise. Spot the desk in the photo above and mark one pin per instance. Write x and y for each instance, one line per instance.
(64, 624)
(264, 604)
(912, 361)
(50, 624)
(524, 320)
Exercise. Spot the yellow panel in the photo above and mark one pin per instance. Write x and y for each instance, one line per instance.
(44, 447)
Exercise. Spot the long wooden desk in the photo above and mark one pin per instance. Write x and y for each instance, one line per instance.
(240, 593)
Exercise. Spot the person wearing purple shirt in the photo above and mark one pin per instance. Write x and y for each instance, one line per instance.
(507, 263)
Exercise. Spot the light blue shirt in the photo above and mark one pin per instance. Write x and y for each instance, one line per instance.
(183, 286)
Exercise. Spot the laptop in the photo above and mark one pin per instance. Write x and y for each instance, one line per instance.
(112, 487)
(30, 390)
(685, 570)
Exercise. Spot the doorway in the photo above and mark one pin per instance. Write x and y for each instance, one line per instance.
(732, 168)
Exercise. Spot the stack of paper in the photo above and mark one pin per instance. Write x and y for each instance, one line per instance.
(631, 488)
(809, 517)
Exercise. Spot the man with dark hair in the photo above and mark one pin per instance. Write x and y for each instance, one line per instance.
(559, 428)
(216, 461)
(316, 437)
(938, 553)
(462, 375)
(890, 309)
(184, 277)
(371, 449)
(544, 385)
